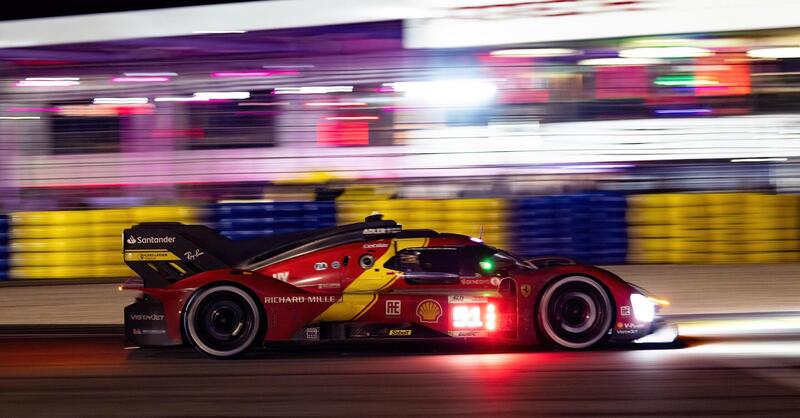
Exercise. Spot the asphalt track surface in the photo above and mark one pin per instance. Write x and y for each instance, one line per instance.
(86, 372)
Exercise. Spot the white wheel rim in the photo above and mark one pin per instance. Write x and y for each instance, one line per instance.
(547, 327)
(192, 331)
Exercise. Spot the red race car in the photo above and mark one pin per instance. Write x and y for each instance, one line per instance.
(369, 280)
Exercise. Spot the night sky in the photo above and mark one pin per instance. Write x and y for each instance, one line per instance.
(30, 10)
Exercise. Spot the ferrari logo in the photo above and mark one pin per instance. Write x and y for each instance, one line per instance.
(526, 290)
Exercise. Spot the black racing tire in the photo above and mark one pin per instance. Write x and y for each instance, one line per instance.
(223, 321)
(575, 313)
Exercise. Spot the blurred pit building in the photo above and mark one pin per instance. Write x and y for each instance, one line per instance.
(643, 131)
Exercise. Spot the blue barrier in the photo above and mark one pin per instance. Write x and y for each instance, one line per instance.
(4, 250)
(252, 220)
(590, 227)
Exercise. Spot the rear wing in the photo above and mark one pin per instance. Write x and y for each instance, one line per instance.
(162, 253)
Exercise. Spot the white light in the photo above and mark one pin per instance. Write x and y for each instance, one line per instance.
(467, 317)
(52, 79)
(222, 95)
(156, 74)
(180, 99)
(207, 32)
(48, 82)
(620, 61)
(534, 53)
(758, 160)
(120, 100)
(788, 52)
(19, 117)
(204, 96)
(313, 90)
(643, 309)
(666, 52)
(447, 92)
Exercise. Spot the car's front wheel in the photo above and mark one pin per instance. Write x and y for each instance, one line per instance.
(575, 313)
(222, 321)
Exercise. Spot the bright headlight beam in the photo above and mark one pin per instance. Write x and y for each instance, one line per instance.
(644, 310)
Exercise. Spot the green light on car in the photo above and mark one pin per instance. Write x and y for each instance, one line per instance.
(487, 265)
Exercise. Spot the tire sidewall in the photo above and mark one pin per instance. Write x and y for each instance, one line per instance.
(551, 336)
(191, 310)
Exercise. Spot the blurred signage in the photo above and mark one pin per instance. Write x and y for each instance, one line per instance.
(499, 23)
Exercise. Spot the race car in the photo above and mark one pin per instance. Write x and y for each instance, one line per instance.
(369, 280)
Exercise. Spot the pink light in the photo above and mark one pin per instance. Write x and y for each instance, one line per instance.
(336, 104)
(352, 118)
(242, 74)
(140, 79)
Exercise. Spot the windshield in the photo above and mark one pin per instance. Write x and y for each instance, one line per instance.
(490, 261)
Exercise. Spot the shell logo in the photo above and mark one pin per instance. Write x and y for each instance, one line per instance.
(429, 310)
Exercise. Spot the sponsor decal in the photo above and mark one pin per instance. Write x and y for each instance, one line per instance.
(526, 290)
(152, 255)
(312, 333)
(321, 266)
(393, 307)
(495, 281)
(429, 311)
(467, 299)
(471, 333)
(625, 311)
(475, 281)
(139, 331)
(150, 240)
(329, 285)
(300, 299)
(399, 332)
(281, 275)
(628, 325)
(375, 245)
(336, 265)
(147, 317)
(378, 231)
(193, 255)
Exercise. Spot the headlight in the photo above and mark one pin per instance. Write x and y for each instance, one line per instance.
(643, 309)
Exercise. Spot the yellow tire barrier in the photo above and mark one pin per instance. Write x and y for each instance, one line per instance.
(461, 216)
(72, 258)
(713, 228)
(71, 272)
(80, 243)
(67, 244)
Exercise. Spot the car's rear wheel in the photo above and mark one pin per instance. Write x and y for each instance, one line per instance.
(222, 321)
(575, 313)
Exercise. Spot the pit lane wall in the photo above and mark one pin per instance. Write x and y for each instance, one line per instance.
(599, 228)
